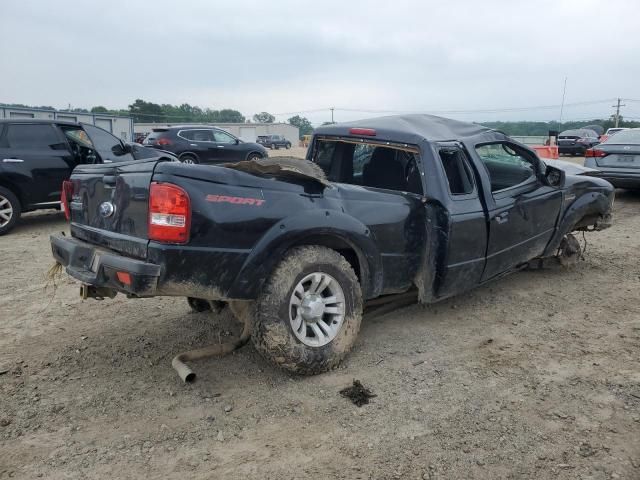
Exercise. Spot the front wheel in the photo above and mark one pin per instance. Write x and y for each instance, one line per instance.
(9, 210)
(309, 313)
(287, 146)
(253, 157)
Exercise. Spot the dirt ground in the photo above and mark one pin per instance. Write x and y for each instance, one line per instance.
(536, 375)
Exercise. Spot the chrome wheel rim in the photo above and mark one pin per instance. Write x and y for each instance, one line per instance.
(188, 160)
(6, 211)
(316, 309)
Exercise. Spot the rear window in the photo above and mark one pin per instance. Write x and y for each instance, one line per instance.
(628, 137)
(373, 165)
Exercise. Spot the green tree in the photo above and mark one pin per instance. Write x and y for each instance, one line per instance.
(99, 109)
(263, 117)
(228, 115)
(142, 111)
(303, 124)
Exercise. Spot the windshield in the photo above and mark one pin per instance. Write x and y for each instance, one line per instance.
(625, 137)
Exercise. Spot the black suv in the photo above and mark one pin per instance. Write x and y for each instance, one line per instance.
(274, 141)
(36, 156)
(203, 144)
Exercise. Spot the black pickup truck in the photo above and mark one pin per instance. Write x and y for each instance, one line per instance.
(379, 207)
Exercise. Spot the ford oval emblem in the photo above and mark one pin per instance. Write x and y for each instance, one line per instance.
(107, 209)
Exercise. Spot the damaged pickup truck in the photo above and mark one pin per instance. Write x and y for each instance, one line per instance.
(296, 247)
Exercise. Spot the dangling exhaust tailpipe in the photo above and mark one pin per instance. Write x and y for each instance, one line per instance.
(99, 293)
(186, 374)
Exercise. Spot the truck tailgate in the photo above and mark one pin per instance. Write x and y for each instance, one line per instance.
(109, 205)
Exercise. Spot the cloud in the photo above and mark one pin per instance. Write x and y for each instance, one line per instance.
(291, 56)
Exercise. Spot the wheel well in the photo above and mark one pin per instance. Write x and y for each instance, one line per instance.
(13, 189)
(337, 244)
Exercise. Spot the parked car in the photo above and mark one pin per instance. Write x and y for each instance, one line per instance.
(379, 207)
(203, 144)
(610, 132)
(273, 141)
(36, 156)
(576, 142)
(618, 159)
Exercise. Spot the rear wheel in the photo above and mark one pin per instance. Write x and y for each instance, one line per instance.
(273, 146)
(189, 159)
(309, 313)
(9, 210)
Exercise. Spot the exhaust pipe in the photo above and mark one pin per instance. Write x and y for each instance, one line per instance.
(99, 293)
(187, 375)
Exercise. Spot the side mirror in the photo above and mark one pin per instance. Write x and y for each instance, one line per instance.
(237, 142)
(554, 177)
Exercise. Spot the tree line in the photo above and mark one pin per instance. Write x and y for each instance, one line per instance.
(149, 112)
(543, 128)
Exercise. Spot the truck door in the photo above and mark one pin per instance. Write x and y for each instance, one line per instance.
(522, 212)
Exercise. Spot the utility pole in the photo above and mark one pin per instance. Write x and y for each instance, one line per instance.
(564, 92)
(617, 107)
(332, 108)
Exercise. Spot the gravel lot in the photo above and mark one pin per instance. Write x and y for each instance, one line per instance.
(533, 376)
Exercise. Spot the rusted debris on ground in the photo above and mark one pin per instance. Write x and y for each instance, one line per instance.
(357, 393)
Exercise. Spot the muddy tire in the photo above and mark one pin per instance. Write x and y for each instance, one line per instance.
(309, 312)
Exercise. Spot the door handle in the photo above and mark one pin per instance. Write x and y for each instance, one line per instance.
(220, 146)
(502, 217)
(12, 160)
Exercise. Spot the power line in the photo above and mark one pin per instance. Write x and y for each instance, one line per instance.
(482, 110)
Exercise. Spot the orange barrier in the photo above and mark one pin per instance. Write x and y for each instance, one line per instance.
(546, 151)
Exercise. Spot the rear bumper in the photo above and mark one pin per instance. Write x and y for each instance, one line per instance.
(100, 267)
(169, 270)
(572, 149)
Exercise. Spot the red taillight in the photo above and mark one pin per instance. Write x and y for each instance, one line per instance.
(595, 153)
(369, 132)
(124, 278)
(65, 198)
(163, 142)
(169, 213)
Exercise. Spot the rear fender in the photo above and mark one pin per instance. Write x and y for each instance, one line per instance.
(304, 229)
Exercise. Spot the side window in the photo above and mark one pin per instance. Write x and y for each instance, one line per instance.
(34, 136)
(506, 167)
(223, 137)
(456, 167)
(197, 135)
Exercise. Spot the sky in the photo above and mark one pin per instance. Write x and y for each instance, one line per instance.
(465, 59)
